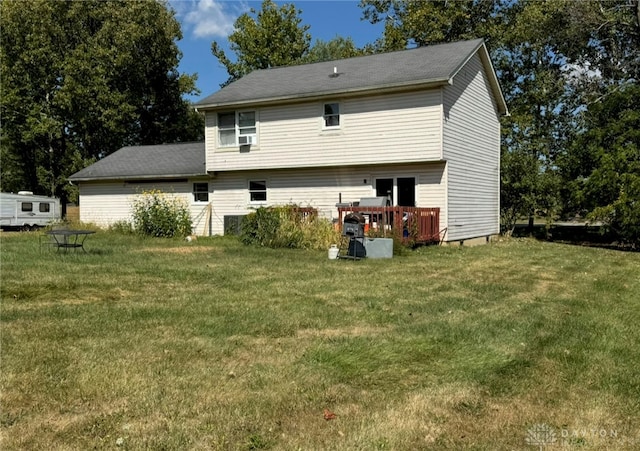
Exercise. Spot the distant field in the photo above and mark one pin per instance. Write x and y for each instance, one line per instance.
(163, 344)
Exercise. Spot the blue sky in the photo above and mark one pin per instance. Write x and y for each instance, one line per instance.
(205, 21)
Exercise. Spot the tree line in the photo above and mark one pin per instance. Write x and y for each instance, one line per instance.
(81, 79)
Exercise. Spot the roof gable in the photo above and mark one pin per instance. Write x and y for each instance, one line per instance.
(158, 161)
(435, 64)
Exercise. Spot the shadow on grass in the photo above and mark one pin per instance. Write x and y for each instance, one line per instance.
(80, 253)
(579, 234)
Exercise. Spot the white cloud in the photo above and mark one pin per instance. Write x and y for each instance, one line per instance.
(208, 18)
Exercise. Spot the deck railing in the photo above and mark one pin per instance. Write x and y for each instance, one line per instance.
(418, 224)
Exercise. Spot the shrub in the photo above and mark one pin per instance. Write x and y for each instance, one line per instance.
(123, 227)
(158, 214)
(287, 226)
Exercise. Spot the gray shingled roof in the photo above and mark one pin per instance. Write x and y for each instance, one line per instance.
(159, 161)
(430, 64)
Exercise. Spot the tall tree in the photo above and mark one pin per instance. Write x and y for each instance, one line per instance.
(531, 69)
(80, 80)
(601, 168)
(270, 37)
(335, 49)
(422, 22)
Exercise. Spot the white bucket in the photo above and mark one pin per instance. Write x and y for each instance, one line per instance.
(333, 252)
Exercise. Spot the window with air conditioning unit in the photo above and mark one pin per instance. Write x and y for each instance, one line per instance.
(237, 128)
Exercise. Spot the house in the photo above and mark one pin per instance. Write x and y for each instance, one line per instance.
(109, 186)
(420, 127)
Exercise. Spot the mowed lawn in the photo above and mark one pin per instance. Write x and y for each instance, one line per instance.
(163, 344)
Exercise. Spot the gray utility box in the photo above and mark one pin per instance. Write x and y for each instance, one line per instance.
(379, 247)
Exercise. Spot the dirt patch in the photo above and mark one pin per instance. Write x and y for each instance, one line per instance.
(358, 331)
(182, 250)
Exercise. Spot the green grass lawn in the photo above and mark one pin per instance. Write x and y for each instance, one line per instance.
(163, 344)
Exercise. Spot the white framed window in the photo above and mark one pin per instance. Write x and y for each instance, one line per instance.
(237, 128)
(201, 192)
(331, 115)
(257, 191)
(227, 129)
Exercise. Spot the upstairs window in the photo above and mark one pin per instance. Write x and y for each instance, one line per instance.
(201, 192)
(331, 115)
(237, 128)
(258, 190)
(227, 129)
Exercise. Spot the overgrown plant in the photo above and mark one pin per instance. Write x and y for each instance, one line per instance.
(122, 227)
(288, 226)
(402, 243)
(159, 214)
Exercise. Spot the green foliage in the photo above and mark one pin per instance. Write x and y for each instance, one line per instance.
(604, 164)
(288, 226)
(82, 79)
(273, 37)
(335, 49)
(262, 39)
(525, 189)
(260, 227)
(123, 227)
(431, 22)
(158, 214)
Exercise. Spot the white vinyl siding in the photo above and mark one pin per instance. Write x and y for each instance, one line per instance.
(210, 138)
(472, 150)
(392, 128)
(108, 202)
(320, 188)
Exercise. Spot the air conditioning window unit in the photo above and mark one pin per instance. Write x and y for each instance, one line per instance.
(246, 140)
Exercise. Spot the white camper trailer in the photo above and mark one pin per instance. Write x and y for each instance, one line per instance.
(27, 211)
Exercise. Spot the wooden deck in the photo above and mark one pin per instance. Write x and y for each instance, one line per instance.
(421, 225)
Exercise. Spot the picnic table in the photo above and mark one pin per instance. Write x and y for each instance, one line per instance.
(69, 238)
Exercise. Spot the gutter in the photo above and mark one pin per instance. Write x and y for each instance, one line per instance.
(135, 177)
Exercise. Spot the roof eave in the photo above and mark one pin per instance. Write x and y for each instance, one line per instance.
(135, 177)
(381, 89)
